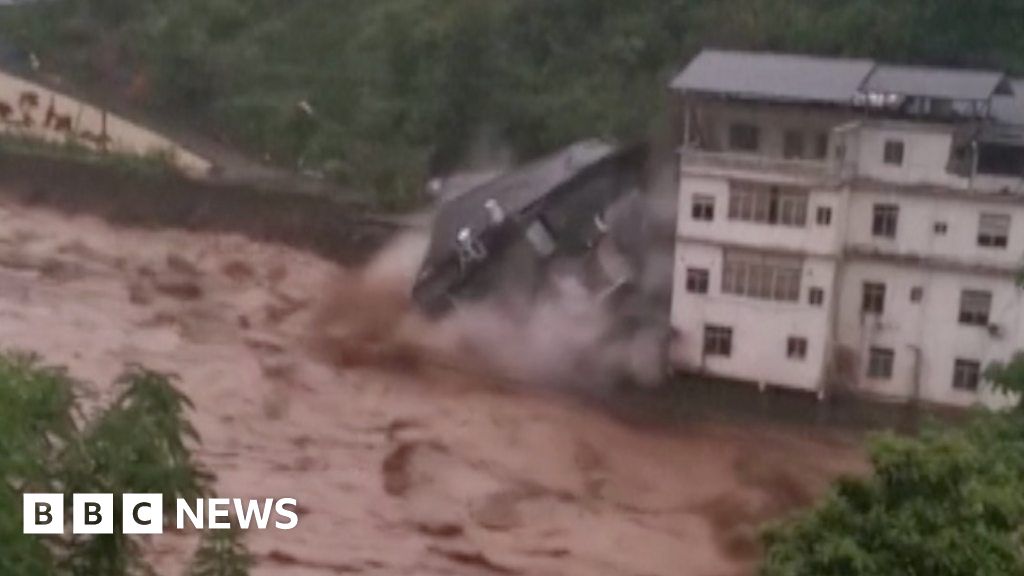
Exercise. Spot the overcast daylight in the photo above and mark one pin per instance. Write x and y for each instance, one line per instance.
(511, 288)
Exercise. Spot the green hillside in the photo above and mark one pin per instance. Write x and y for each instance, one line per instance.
(401, 88)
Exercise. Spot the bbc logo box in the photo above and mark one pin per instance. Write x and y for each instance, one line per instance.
(93, 514)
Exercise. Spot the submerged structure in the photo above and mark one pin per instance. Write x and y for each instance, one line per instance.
(849, 225)
(576, 218)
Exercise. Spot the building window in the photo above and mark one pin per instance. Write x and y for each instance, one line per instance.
(703, 208)
(873, 301)
(792, 144)
(893, 152)
(994, 230)
(762, 277)
(768, 205)
(824, 216)
(974, 307)
(966, 375)
(744, 137)
(796, 348)
(821, 146)
(697, 281)
(717, 341)
(816, 297)
(880, 361)
(886, 217)
(916, 294)
(941, 228)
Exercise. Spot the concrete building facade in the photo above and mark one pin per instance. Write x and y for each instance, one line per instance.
(848, 225)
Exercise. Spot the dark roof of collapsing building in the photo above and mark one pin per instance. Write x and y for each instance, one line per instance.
(514, 192)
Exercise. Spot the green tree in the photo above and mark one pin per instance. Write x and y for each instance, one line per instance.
(49, 442)
(949, 502)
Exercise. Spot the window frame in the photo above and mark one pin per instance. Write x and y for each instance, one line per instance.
(796, 348)
(718, 340)
(744, 137)
(698, 280)
(894, 152)
(762, 277)
(996, 234)
(969, 312)
(881, 363)
(967, 375)
(873, 298)
(823, 216)
(702, 208)
(816, 296)
(793, 145)
(885, 220)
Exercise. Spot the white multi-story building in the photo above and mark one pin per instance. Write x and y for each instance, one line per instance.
(845, 224)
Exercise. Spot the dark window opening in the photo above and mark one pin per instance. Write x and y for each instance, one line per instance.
(893, 152)
(966, 375)
(703, 208)
(880, 361)
(744, 137)
(1001, 160)
(697, 280)
(816, 297)
(873, 301)
(885, 220)
(796, 348)
(717, 341)
(792, 144)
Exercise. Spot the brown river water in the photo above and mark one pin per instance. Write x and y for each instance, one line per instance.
(315, 382)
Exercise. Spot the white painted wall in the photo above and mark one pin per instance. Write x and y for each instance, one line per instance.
(760, 328)
(916, 235)
(930, 326)
(926, 336)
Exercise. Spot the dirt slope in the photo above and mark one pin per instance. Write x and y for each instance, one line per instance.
(400, 466)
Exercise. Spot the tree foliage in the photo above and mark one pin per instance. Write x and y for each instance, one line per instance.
(141, 443)
(403, 88)
(947, 503)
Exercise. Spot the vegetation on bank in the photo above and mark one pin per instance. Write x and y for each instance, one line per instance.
(53, 442)
(947, 503)
(378, 94)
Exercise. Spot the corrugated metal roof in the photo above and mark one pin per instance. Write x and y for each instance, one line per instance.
(953, 84)
(774, 76)
(1010, 109)
(789, 77)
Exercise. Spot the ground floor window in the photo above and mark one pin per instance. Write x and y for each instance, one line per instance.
(880, 361)
(717, 340)
(966, 375)
(796, 348)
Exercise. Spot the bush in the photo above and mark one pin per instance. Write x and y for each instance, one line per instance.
(141, 443)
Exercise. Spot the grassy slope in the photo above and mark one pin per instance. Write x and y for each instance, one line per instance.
(401, 88)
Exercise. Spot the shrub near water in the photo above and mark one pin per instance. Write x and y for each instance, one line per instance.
(949, 503)
(141, 443)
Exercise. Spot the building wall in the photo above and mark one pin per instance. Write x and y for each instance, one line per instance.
(917, 236)
(926, 154)
(761, 328)
(926, 336)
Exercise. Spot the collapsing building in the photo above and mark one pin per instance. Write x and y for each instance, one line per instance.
(576, 215)
(845, 224)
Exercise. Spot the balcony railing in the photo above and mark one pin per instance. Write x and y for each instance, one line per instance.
(816, 169)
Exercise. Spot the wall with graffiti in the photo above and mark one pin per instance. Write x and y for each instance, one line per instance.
(31, 110)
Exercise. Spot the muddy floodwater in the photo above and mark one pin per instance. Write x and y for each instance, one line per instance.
(401, 466)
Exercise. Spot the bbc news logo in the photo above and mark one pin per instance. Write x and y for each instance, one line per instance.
(144, 514)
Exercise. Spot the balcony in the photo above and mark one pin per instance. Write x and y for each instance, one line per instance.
(728, 163)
